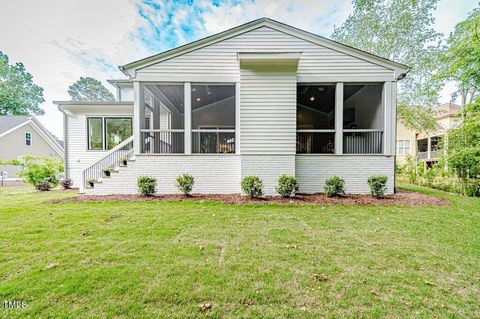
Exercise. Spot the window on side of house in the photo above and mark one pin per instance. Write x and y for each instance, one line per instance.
(21, 163)
(403, 147)
(117, 129)
(95, 133)
(28, 138)
(213, 118)
(316, 118)
(363, 118)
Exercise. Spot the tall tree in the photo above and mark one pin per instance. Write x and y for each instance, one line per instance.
(460, 62)
(399, 30)
(18, 94)
(89, 89)
(417, 118)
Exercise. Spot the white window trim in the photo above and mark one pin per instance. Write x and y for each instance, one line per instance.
(21, 163)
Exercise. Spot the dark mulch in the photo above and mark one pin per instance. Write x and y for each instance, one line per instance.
(401, 198)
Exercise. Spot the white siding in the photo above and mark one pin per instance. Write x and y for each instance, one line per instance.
(268, 112)
(313, 170)
(213, 174)
(219, 62)
(268, 168)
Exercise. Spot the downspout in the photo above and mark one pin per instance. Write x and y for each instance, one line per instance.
(65, 141)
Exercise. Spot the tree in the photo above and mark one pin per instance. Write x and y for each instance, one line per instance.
(460, 62)
(18, 94)
(399, 30)
(89, 89)
(417, 118)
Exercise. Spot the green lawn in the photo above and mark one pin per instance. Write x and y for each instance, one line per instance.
(151, 260)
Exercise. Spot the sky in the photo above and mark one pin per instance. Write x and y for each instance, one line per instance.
(59, 41)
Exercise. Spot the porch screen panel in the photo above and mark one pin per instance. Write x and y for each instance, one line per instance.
(164, 129)
(213, 118)
(315, 119)
(363, 118)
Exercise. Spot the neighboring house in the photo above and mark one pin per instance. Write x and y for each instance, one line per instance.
(426, 147)
(260, 99)
(22, 135)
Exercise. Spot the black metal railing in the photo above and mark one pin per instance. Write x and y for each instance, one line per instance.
(122, 152)
(315, 142)
(362, 141)
(213, 141)
(162, 141)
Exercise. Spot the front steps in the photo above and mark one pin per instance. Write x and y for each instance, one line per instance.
(121, 181)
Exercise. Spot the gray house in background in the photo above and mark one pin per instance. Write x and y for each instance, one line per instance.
(24, 135)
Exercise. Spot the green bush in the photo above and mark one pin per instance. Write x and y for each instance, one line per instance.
(146, 185)
(41, 170)
(334, 186)
(378, 185)
(287, 186)
(185, 183)
(252, 186)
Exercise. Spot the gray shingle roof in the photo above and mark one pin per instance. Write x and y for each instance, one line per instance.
(9, 122)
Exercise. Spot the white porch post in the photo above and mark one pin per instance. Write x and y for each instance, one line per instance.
(339, 119)
(429, 147)
(389, 122)
(237, 118)
(188, 118)
(138, 115)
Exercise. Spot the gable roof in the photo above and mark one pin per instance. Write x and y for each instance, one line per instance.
(10, 123)
(400, 69)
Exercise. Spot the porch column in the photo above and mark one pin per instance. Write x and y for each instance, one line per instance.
(339, 119)
(237, 117)
(429, 147)
(389, 123)
(188, 118)
(138, 115)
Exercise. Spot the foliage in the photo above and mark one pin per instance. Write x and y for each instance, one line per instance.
(89, 89)
(460, 61)
(399, 30)
(40, 170)
(18, 94)
(67, 183)
(252, 186)
(417, 118)
(185, 183)
(287, 185)
(43, 187)
(146, 185)
(378, 185)
(334, 186)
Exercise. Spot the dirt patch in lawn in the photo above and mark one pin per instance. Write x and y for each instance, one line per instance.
(402, 198)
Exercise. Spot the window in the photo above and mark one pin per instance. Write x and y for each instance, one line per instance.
(213, 118)
(316, 118)
(164, 127)
(403, 147)
(106, 133)
(363, 118)
(28, 139)
(21, 163)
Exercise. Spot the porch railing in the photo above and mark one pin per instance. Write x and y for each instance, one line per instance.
(112, 159)
(162, 141)
(359, 141)
(221, 141)
(315, 141)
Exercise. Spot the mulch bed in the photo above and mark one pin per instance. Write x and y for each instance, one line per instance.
(401, 198)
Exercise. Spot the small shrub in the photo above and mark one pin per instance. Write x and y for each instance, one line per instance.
(41, 170)
(146, 185)
(334, 186)
(252, 186)
(43, 187)
(378, 185)
(185, 183)
(67, 183)
(287, 185)
(91, 182)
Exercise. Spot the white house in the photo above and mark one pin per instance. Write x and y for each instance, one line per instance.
(262, 99)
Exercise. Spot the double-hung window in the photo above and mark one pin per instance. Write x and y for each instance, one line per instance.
(104, 133)
(28, 138)
(403, 147)
(213, 118)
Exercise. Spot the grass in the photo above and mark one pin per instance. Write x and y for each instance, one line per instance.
(151, 260)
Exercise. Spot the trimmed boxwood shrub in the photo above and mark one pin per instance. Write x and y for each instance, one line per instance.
(185, 183)
(287, 185)
(378, 185)
(252, 186)
(146, 185)
(334, 186)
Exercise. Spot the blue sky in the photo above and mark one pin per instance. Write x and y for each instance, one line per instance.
(61, 40)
